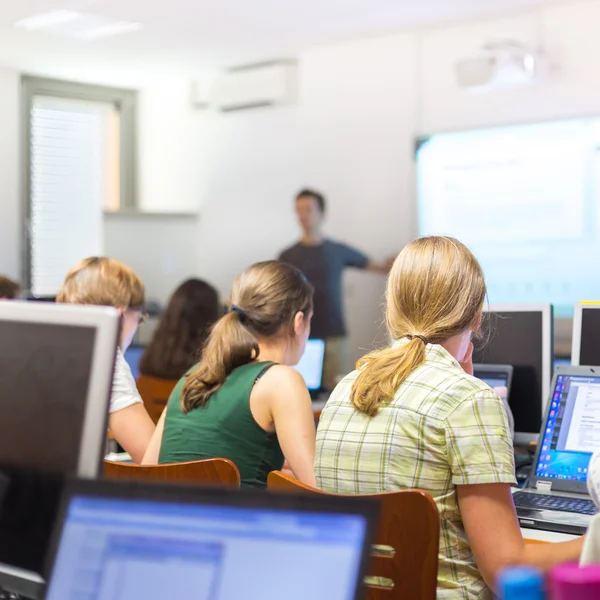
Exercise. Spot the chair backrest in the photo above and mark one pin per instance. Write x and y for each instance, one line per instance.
(404, 558)
(155, 393)
(220, 471)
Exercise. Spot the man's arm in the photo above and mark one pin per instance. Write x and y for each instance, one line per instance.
(380, 267)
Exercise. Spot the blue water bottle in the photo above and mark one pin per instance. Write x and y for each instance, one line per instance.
(520, 583)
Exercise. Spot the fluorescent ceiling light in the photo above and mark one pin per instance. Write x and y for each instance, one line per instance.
(49, 19)
(77, 25)
(108, 30)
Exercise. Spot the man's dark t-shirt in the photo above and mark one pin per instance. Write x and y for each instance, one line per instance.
(323, 266)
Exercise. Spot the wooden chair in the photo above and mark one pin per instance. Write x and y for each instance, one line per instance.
(404, 558)
(155, 393)
(220, 471)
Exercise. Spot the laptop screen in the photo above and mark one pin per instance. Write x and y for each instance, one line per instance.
(572, 431)
(128, 549)
(311, 364)
(497, 380)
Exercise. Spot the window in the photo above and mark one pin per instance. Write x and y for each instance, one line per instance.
(79, 156)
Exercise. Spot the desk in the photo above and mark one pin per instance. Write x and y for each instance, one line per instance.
(539, 535)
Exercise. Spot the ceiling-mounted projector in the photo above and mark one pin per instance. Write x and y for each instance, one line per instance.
(502, 64)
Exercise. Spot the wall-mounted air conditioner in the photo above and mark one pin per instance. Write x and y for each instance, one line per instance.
(250, 87)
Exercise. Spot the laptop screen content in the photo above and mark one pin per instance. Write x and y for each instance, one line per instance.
(311, 364)
(572, 431)
(126, 549)
(497, 380)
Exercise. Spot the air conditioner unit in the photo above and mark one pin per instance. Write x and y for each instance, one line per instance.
(259, 85)
(501, 65)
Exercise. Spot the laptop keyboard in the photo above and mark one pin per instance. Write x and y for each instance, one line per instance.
(560, 503)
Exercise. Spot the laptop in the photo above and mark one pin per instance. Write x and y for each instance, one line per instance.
(126, 541)
(311, 366)
(555, 496)
(498, 377)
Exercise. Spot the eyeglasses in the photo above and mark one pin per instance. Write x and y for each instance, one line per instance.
(142, 316)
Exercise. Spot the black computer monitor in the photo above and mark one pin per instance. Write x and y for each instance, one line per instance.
(521, 335)
(56, 365)
(586, 335)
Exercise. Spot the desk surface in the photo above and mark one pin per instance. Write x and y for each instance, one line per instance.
(546, 536)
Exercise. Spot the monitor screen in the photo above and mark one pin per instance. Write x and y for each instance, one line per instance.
(311, 364)
(589, 354)
(516, 338)
(130, 549)
(44, 377)
(497, 380)
(572, 430)
(133, 355)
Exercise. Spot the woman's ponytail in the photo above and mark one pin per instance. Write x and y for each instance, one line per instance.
(230, 345)
(382, 372)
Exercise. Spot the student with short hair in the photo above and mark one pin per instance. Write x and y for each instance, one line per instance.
(9, 289)
(108, 282)
(413, 416)
(243, 401)
(183, 328)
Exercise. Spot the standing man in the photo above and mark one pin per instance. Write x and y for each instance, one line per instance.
(323, 261)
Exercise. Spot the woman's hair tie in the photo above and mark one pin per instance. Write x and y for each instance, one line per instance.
(240, 312)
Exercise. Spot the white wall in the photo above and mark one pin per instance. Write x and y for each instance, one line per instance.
(10, 231)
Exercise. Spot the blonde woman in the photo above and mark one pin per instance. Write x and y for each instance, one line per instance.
(243, 401)
(413, 416)
(108, 282)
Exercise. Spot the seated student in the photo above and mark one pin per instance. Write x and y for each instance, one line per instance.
(9, 289)
(183, 328)
(107, 282)
(413, 416)
(242, 401)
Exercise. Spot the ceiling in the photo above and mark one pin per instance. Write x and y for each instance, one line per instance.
(193, 36)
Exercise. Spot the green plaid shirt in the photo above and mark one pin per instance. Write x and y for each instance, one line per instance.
(442, 429)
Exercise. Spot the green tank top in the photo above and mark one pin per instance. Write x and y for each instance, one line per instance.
(223, 428)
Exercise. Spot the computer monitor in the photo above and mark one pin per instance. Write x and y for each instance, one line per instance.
(586, 334)
(56, 366)
(521, 335)
(132, 542)
(311, 364)
(571, 432)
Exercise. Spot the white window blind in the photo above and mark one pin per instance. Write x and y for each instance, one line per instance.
(74, 177)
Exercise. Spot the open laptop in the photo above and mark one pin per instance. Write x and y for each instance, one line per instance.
(311, 366)
(555, 497)
(126, 541)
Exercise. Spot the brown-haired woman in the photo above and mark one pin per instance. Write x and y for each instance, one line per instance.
(182, 331)
(243, 401)
(413, 416)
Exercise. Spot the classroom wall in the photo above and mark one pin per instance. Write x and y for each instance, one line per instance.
(10, 228)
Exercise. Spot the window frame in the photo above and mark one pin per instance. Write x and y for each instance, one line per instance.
(126, 102)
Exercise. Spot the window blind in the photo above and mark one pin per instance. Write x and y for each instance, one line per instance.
(73, 147)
